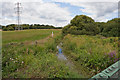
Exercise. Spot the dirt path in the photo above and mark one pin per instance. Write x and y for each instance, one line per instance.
(36, 42)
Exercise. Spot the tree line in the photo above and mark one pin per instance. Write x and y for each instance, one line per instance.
(84, 25)
(12, 27)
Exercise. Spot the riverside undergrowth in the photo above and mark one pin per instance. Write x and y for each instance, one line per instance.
(34, 61)
(94, 53)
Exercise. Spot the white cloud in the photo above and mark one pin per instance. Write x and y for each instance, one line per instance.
(60, 0)
(119, 9)
(39, 13)
(100, 10)
(71, 1)
(14, 1)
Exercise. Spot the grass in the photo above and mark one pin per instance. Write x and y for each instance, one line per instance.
(91, 53)
(26, 35)
(34, 61)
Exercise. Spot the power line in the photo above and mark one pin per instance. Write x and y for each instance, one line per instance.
(18, 12)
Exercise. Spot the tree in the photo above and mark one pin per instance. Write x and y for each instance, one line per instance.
(10, 28)
(65, 29)
(111, 30)
(79, 19)
(101, 26)
(80, 25)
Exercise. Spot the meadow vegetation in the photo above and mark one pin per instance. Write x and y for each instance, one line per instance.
(94, 53)
(34, 61)
(93, 45)
(25, 35)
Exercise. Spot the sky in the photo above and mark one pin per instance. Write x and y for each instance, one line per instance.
(57, 12)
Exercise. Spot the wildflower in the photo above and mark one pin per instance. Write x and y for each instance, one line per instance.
(10, 58)
(115, 60)
(111, 60)
(105, 53)
(22, 62)
(112, 54)
(16, 58)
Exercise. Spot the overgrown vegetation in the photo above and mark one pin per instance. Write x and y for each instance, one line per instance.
(34, 61)
(84, 25)
(95, 53)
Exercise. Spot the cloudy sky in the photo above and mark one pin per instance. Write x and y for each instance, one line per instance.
(57, 12)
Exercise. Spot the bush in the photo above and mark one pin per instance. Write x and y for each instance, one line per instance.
(81, 25)
(111, 30)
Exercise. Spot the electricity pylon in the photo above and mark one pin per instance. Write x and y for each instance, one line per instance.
(18, 12)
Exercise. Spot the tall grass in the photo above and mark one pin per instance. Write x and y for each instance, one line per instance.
(34, 61)
(92, 52)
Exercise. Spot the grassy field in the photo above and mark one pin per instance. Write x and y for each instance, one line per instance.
(26, 35)
(33, 61)
(89, 54)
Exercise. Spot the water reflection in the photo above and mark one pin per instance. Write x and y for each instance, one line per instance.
(61, 57)
(60, 54)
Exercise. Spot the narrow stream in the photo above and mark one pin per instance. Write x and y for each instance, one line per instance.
(67, 61)
(62, 57)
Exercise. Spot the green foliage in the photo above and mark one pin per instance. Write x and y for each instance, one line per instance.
(65, 29)
(34, 61)
(81, 25)
(115, 20)
(11, 27)
(84, 25)
(101, 26)
(4, 29)
(92, 52)
(111, 28)
(27, 35)
(78, 20)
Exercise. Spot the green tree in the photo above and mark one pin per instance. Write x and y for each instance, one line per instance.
(65, 29)
(80, 25)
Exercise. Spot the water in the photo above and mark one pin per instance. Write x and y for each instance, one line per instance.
(62, 57)
(60, 54)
